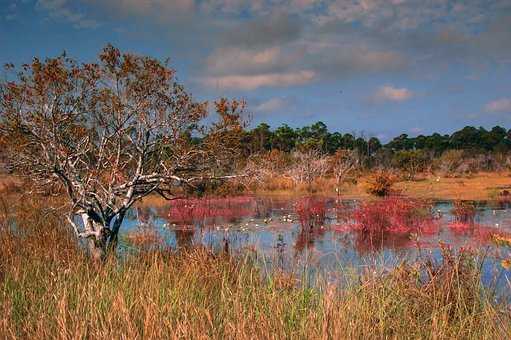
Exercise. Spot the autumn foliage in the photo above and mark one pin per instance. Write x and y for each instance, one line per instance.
(311, 211)
(380, 183)
(393, 215)
(191, 210)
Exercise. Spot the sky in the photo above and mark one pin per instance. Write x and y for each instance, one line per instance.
(371, 67)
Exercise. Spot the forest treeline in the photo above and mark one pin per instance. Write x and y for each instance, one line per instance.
(467, 150)
(317, 135)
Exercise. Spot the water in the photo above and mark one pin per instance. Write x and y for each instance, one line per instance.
(269, 228)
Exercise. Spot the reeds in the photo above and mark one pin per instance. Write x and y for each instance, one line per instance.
(50, 290)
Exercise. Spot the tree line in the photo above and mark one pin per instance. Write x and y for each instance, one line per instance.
(284, 138)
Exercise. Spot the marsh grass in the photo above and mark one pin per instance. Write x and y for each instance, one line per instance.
(50, 290)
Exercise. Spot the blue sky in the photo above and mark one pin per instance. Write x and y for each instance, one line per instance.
(377, 67)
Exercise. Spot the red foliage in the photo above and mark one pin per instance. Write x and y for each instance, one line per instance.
(394, 215)
(311, 211)
(464, 212)
(188, 211)
(477, 233)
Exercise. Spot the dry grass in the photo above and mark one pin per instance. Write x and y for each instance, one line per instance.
(482, 186)
(49, 290)
(9, 184)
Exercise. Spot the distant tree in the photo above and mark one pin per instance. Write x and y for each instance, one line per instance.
(343, 163)
(436, 142)
(284, 138)
(361, 146)
(307, 166)
(373, 145)
(467, 138)
(314, 136)
(261, 138)
(334, 142)
(110, 133)
(402, 142)
(348, 141)
(410, 161)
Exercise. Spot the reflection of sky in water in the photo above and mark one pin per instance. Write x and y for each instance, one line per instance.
(283, 243)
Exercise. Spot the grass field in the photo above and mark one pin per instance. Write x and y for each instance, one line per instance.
(50, 290)
(482, 186)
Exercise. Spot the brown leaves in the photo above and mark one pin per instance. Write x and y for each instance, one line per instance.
(112, 131)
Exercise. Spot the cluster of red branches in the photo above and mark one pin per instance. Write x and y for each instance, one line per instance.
(464, 212)
(191, 210)
(394, 215)
(478, 234)
(311, 211)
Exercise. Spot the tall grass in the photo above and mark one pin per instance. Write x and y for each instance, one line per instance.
(49, 289)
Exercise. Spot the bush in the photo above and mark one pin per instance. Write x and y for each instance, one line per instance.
(464, 212)
(393, 215)
(381, 182)
(410, 161)
(311, 211)
(450, 161)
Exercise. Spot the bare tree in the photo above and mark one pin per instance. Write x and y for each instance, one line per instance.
(307, 166)
(110, 133)
(260, 168)
(343, 163)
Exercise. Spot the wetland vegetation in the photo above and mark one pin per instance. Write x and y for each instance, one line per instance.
(130, 210)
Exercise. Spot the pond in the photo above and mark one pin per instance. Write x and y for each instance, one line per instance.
(326, 235)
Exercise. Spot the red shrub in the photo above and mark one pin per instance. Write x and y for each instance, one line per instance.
(188, 211)
(311, 211)
(394, 215)
(476, 233)
(464, 212)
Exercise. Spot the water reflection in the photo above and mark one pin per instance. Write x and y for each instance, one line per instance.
(279, 230)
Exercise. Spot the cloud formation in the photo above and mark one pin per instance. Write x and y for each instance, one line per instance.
(261, 43)
(499, 105)
(271, 105)
(61, 9)
(388, 93)
(252, 82)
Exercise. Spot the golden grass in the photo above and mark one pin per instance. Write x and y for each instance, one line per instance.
(482, 186)
(9, 184)
(50, 290)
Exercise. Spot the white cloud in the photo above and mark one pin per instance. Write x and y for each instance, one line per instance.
(271, 105)
(236, 60)
(499, 105)
(60, 9)
(252, 82)
(392, 94)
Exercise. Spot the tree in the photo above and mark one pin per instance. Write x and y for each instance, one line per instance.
(307, 166)
(411, 161)
(261, 138)
(314, 136)
(110, 133)
(284, 138)
(373, 145)
(343, 162)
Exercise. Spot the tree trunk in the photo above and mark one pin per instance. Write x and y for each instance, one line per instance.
(97, 247)
(102, 240)
(114, 234)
